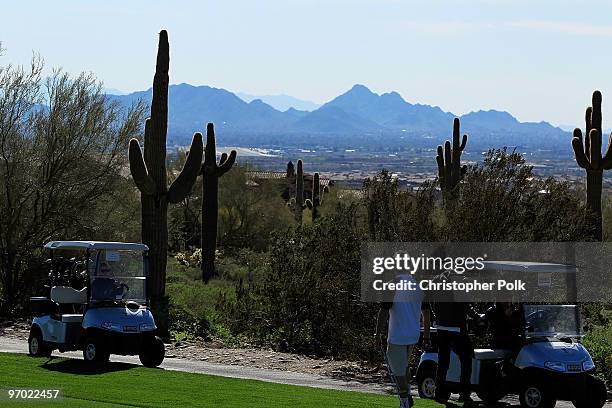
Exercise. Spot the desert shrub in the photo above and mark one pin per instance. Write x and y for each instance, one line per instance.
(197, 309)
(502, 200)
(307, 298)
(395, 215)
(190, 258)
(250, 212)
(598, 340)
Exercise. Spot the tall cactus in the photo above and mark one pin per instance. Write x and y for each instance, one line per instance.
(298, 204)
(290, 170)
(149, 174)
(211, 171)
(450, 171)
(588, 156)
(317, 192)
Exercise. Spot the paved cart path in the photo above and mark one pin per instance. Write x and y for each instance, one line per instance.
(15, 345)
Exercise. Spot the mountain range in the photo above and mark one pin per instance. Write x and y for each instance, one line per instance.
(356, 117)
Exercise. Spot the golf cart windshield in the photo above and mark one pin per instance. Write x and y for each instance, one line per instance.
(552, 320)
(118, 275)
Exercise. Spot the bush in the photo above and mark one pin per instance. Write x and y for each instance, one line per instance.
(307, 298)
(502, 200)
(598, 340)
(192, 309)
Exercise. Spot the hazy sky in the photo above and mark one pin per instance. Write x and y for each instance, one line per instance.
(539, 60)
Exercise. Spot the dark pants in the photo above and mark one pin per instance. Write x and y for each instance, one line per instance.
(461, 344)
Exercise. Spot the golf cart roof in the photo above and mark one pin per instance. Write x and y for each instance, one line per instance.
(515, 266)
(96, 245)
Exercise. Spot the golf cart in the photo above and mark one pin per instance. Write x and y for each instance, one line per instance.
(96, 303)
(547, 363)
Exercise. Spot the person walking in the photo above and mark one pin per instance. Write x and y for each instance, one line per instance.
(403, 316)
(452, 335)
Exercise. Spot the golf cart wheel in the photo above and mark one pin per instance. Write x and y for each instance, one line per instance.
(36, 345)
(595, 395)
(153, 352)
(535, 395)
(426, 383)
(94, 351)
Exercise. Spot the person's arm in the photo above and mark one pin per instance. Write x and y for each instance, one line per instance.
(383, 317)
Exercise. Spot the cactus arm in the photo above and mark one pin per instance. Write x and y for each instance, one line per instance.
(138, 168)
(463, 142)
(607, 159)
(595, 138)
(309, 204)
(223, 158)
(183, 183)
(227, 164)
(587, 119)
(579, 152)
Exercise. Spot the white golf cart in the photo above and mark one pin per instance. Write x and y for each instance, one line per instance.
(547, 364)
(96, 303)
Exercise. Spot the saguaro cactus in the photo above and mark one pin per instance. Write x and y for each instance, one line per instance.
(588, 156)
(290, 170)
(149, 174)
(315, 203)
(450, 171)
(211, 171)
(298, 204)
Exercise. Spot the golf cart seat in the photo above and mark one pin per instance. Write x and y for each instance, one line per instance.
(490, 354)
(68, 295)
(65, 295)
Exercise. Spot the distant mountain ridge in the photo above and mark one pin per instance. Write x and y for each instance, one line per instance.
(357, 115)
(280, 102)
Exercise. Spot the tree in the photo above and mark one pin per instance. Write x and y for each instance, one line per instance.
(62, 152)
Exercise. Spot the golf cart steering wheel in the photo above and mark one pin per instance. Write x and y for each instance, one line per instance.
(116, 288)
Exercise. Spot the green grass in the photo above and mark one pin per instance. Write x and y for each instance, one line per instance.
(117, 384)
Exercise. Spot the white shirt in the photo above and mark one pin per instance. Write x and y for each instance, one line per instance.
(405, 315)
